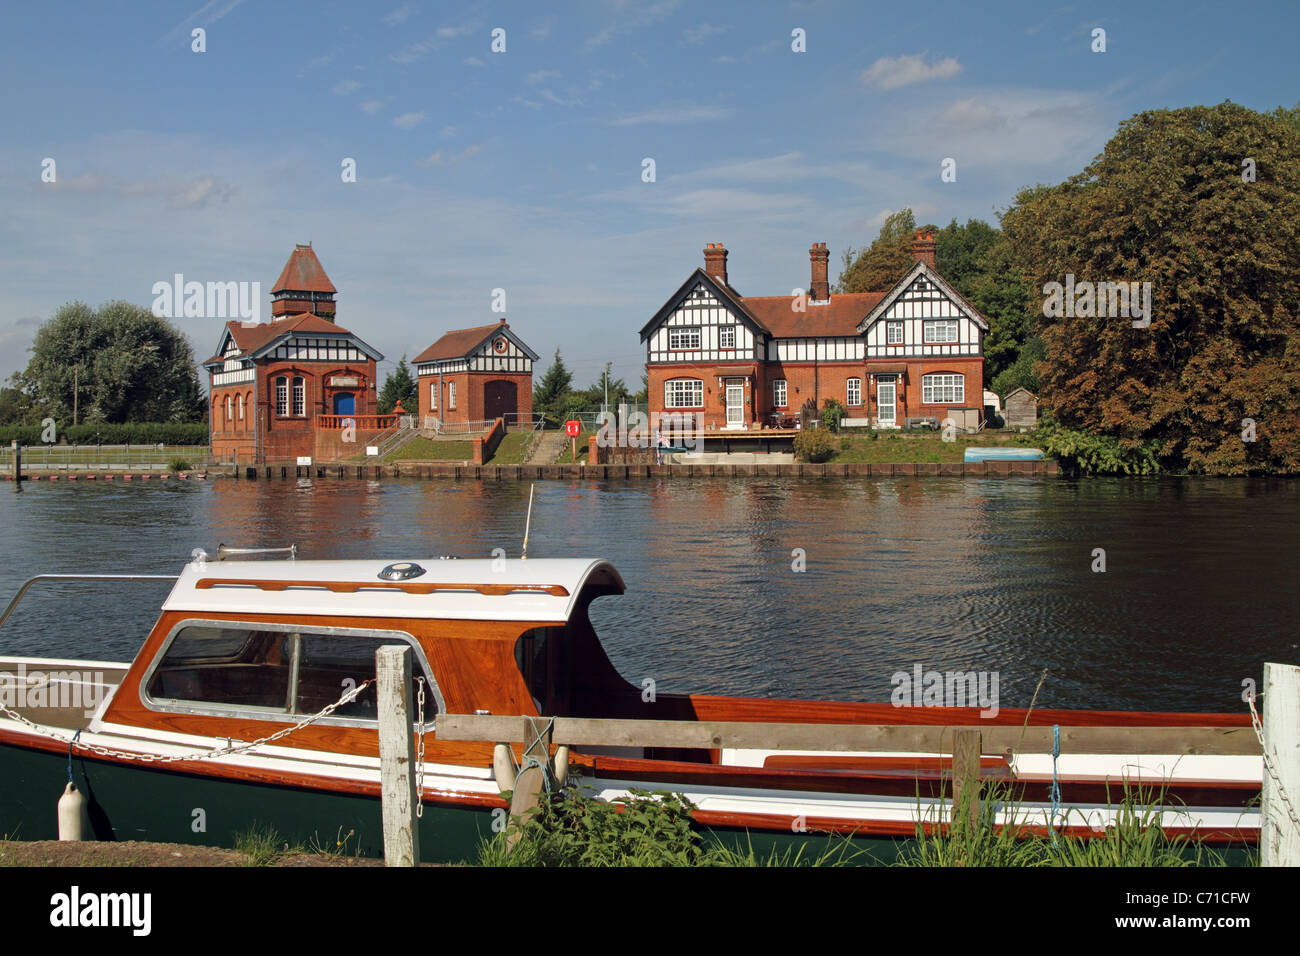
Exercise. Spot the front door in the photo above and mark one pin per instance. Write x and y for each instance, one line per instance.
(500, 398)
(735, 405)
(885, 402)
(345, 403)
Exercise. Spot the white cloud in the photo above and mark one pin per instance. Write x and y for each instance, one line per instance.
(541, 76)
(399, 15)
(696, 35)
(641, 18)
(346, 87)
(891, 72)
(473, 61)
(410, 120)
(372, 106)
(672, 115)
(542, 30)
(438, 158)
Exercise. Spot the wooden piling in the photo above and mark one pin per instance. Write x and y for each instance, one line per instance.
(17, 450)
(397, 756)
(1279, 832)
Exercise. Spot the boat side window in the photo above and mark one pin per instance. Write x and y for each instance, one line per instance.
(274, 671)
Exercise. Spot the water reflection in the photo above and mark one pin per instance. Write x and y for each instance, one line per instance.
(957, 574)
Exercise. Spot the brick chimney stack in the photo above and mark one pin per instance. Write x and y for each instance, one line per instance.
(923, 247)
(820, 289)
(715, 261)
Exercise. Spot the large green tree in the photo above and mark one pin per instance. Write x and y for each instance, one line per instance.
(1203, 203)
(117, 363)
(550, 393)
(400, 385)
(879, 266)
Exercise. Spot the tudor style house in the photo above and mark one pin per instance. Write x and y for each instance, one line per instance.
(476, 375)
(913, 352)
(289, 387)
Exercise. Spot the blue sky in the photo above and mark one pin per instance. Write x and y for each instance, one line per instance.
(522, 169)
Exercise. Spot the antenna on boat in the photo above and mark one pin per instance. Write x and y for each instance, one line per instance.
(528, 524)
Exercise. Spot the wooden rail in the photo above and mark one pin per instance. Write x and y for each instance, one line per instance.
(885, 738)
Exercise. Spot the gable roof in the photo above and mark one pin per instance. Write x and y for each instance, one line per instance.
(255, 340)
(724, 294)
(303, 273)
(839, 316)
(461, 342)
(922, 269)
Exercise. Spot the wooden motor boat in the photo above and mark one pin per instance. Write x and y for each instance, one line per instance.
(247, 650)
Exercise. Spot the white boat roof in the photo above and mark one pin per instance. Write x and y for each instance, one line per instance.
(538, 589)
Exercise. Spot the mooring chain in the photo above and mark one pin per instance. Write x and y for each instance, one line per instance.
(1268, 764)
(419, 752)
(200, 755)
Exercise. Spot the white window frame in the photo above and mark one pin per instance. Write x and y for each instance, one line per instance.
(893, 326)
(240, 404)
(282, 396)
(943, 388)
(299, 397)
(932, 328)
(433, 396)
(725, 332)
(451, 396)
(853, 392)
(675, 336)
(780, 393)
(677, 392)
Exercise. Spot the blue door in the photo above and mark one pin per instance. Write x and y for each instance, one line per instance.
(345, 403)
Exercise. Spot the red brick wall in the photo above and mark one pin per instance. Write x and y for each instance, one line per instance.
(469, 395)
(290, 436)
(823, 380)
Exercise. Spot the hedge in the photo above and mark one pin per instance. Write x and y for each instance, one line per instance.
(129, 433)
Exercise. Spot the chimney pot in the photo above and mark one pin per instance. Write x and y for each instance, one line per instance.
(923, 247)
(715, 261)
(819, 290)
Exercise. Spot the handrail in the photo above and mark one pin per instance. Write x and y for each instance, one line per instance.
(352, 587)
(78, 577)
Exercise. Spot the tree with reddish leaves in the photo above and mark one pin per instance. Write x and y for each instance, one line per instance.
(1203, 203)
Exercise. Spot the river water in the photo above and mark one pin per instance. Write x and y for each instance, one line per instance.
(1199, 587)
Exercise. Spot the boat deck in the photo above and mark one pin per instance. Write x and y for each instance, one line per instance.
(57, 693)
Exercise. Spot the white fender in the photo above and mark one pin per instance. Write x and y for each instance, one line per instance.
(503, 768)
(561, 764)
(72, 814)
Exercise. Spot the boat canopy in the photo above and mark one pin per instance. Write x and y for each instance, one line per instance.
(538, 589)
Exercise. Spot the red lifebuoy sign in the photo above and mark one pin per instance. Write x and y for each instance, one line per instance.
(572, 428)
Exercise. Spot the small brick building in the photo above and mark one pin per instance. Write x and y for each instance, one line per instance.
(290, 387)
(476, 375)
(914, 351)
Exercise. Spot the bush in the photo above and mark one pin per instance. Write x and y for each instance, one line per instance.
(1082, 452)
(832, 413)
(814, 445)
(177, 463)
(128, 433)
(570, 829)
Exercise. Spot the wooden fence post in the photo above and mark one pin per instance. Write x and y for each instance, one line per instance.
(17, 451)
(397, 756)
(1279, 834)
(531, 780)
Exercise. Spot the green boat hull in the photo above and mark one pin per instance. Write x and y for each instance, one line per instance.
(133, 802)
